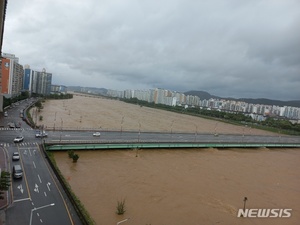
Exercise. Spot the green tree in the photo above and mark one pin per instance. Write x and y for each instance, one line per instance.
(4, 182)
(75, 157)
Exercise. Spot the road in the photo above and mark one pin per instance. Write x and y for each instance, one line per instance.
(124, 137)
(36, 198)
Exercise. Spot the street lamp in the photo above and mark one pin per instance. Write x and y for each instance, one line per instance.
(139, 132)
(122, 123)
(62, 123)
(172, 129)
(216, 134)
(196, 132)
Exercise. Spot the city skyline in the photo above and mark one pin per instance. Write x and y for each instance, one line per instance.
(166, 97)
(228, 48)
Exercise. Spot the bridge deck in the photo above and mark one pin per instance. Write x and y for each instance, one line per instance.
(87, 146)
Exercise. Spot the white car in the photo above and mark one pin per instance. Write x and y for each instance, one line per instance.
(15, 156)
(41, 134)
(18, 139)
(96, 134)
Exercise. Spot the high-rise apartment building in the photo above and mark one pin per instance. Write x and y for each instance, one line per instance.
(12, 75)
(3, 5)
(27, 80)
(41, 82)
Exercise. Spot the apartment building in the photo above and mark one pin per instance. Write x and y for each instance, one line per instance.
(41, 82)
(12, 75)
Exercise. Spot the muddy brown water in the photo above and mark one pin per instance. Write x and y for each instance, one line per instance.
(178, 187)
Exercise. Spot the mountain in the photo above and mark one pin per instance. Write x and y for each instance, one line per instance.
(201, 94)
(92, 90)
(262, 101)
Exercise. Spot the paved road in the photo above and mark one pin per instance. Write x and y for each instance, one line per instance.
(36, 198)
(123, 137)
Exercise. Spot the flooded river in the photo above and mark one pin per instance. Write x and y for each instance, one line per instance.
(179, 187)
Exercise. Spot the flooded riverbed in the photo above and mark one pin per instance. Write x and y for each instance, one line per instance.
(200, 186)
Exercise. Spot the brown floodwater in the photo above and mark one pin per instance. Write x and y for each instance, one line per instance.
(178, 187)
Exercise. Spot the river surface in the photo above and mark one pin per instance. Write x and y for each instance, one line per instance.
(185, 187)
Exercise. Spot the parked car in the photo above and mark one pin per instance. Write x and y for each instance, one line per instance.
(96, 134)
(15, 156)
(19, 139)
(5, 114)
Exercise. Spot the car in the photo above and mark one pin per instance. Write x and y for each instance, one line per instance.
(18, 139)
(41, 134)
(5, 114)
(15, 156)
(11, 125)
(96, 134)
(17, 171)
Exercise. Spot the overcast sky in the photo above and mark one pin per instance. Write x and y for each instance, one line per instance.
(230, 48)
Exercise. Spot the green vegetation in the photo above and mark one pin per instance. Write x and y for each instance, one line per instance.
(70, 153)
(278, 125)
(4, 182)
(75, 158)
(83, 213)
(121, 207)
(59, 96)
(73, 155)
(9, 101)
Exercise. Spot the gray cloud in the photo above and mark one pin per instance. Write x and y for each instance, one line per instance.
(228, 48)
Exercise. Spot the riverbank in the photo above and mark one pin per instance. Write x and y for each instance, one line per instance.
(85, 112)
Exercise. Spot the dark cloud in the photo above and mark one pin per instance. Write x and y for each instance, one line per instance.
(230, 48)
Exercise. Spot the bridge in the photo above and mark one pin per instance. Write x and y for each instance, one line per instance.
(86, 146)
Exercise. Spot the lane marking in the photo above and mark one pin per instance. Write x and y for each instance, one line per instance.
(62, 198)
(23, 199)
(34, 164)
(48, 185)
(45, 194)
(39, 178)
(24, 172)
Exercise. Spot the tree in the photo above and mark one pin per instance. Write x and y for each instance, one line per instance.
(75, 158)
(4, 182)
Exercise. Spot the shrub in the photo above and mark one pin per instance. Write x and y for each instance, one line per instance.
(75, 157)
(121, 207)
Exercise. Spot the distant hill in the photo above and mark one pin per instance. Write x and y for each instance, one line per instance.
(92, 90)
(262, 101)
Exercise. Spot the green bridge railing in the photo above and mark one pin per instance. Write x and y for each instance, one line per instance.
(65, 147)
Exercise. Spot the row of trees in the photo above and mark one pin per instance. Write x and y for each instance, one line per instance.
(4, 182)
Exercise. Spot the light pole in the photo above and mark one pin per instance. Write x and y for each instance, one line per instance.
(216, 134)
(122, 123)
(30, 222)
(172, 129)
(62, 123)
(139, 132)
(196, 132)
